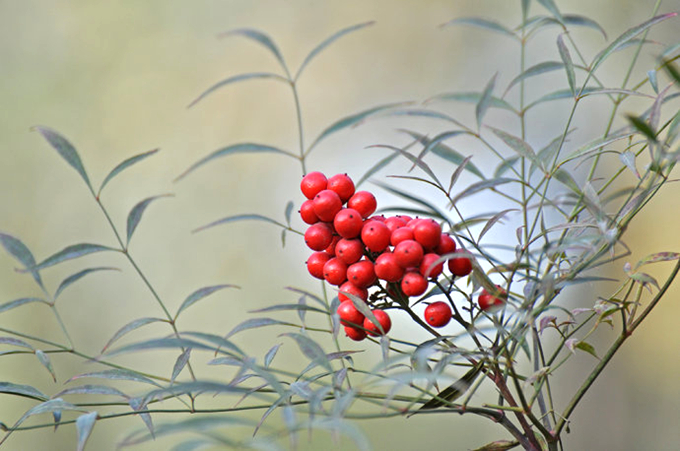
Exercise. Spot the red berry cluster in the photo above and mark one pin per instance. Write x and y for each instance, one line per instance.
(355, 251)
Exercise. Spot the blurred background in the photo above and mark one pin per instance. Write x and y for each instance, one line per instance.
(115, 78)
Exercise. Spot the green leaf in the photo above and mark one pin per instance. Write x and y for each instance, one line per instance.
(66, 150)
(15, 342)
(568, 64)
(116, 374)
(200, 294)
(271, 354)
(582, 21)
(625, 37)
(77, 276)
(642, 126)
(658, 257)
(17, 249)
(328, 41)
(412, 158)
(558, 95)
(19, 302)
(246, 217)
(254, 323)
(481, 22)
(232, 150)
(71, 252)
(497, 217)
(92, 389)
(597, 145)
(311, 349)
(376, 167)
(455, 390)
(435, 211)
(520, 146)
(481, 186)
(651, 76)
(124, 165)
(259, 37)
(587, 347)
(446, 153)
(485, 100)
(45, 361)
(162, 343)
(236, 79)
(53, 405)
(129, 327)
(540, 68)
(288, 211)
(136, 213)
(498, 445)
(278, 307)
(23, 390)
(552, 7)
(180, 363)
(628, 159)
(472, 97)
(84, 425)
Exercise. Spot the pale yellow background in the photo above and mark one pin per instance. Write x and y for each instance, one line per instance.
(116, 77)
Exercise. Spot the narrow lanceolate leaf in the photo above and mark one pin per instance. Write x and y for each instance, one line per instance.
(485, 100)
(124, 165)
(91, 390)
(446, 153)
(498, 445)
(481, 22)
(19, 302)
(15, 342)
(162, 343)
(376, 167)
(642, 126)
(435, 211)
(497, 217)
(481, 186)
(259, 37)
(538, 69)
(311, 349)
(142, 411)
(582, 21)
(328, 41)
(129, 327)
(472, 97)
(115, 374)
(136, 213)
(232, 150)
(628, 159)
(651, 76)
(552, 7)
(658, 257)
(66, 150)
(598, 144)
(271, 354)
(45, 361)
(17, 249)
(79, 275)
(236, 79)
(23, 390)
(180, 363)
(247, 217)
(455, 390)
(200, 294)
(254, 323)
(520, 146)
(71, 252)
(296, 307)
(84, 425)
(625, 37)
(53, 405)
(288, 211)
(568, 64)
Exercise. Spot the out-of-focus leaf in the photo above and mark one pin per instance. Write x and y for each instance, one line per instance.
(568, 64)
(200, 294)
(91, 389)
(472, 97)
(311, 349)
(505, 166)
(651, 76)
(17, 249)
(232, 150)
(77, 276)
(261, 38)
(540, 22)
(328, 41)
(623, 92)
(552, 7)
(435, 211)
(455, 390)
(278, 307)
(271, 354)
(520, 146)
(136, 213)
(53, 405)
(23, 390)
(19, 302)
(376, 167)
(15, 342)
(288, 211)
(628, 159)
(658, 257)
(116, 374)
(162, 343)
(253, 323)
(445, 152)
(498, 445)
(480, 186)
(180, 363)
(644, 279)
(56, 415)
(557, 95)
(485, 100)
(598, 144)
(625, 37)
(456, 174)
(497, 217)
(412, 158)
(84, 425)
(71, 252)
(642, 126)
(246, 217)
(66, 150)
(45, 361)
(124, 165)
(587, 347)
(540, 68)
(129, 327)
(236, 79)
(142, 411)
(481, 22)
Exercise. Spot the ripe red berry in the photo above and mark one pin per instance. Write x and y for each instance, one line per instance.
(312, 184)
(335, 271)
(307, 212)
(438, 314)
(349, 288)
(330, 250)
(363, 202)
(409, 253)
(327, 204)
(428, 233)
(349, 315)
(361, 274)
(387, 267)
(413, 284)
(446, 245)
(383, 318)
(394, 222)
(460, 266)
(401, 234)
(355, 333)
(319, 236)
(428, 268)
(488, 301)
(343, 185)
(348, 223)
(315, 264)
(375, 235)
(349, 251)
(406, 218)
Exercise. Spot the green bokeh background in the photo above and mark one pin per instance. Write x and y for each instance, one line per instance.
(116, 79)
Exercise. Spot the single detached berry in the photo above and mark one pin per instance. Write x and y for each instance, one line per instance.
(387, 267)
(349, 251)
(428, 268)
(349, 315)
(343, 185)
(375, 235)
(361, 274)
(363, 202)
(335, 271)
(327, 204)
(312, 184)
(348, 223)
(319, 236)
(307, 212)
(438, 314)
(413, 284)
(460, 266)
(355, 333)
(316, 262)
(349, 288)
(409, 253)
(385, 323)
(428, 233)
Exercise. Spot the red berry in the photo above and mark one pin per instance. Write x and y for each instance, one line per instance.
(428, 233)
(413, 284)
(412, 223)
(330, 250)
(312, 183)
(380, 218)
(363, 202)
(349, 288)
(375, 235)
(327, 204)
(335, 271)
(438, 314)
(460, 266)
(307, 212)
(428, 268)
(387, 267)
(315, 264)
(355, 333)
(383, 318)
(394, 222)
(319, 236)
(343, 185)
(349, 315)
(401, 234)
(446, 245)
(349, 251)
(488, 301)
(406, 218)
(348, 223)
(409, 253)
(361, 274)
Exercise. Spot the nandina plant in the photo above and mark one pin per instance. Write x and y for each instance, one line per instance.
(495, 320)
